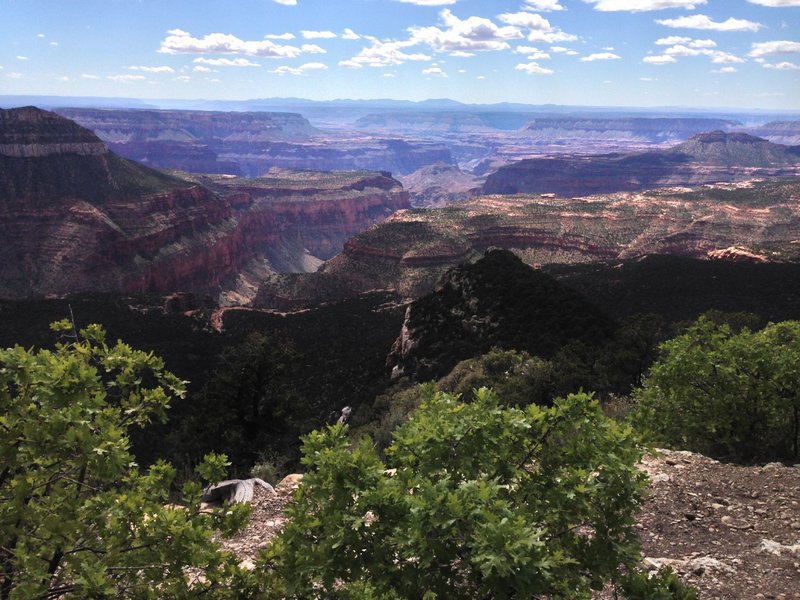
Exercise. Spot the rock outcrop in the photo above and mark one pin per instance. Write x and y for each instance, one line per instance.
(497, 301)
(77, 217)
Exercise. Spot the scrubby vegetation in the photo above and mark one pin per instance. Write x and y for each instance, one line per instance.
(727, 394)
(77, 516)
(483, 501)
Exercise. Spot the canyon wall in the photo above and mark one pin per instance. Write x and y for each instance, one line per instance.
(76, 217)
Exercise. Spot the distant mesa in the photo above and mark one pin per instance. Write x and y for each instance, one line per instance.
(705, 158)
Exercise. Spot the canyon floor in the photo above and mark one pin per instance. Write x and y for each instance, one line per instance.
(731, 531)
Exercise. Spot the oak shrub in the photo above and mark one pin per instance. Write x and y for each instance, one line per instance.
(482, 501)
(726, 393)
(78, 518)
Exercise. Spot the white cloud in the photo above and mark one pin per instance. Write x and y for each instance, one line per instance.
(89, 76)
(63, 78)
(428, 2)
(226, 62)
(533, 69)
(543, 5)
(40, 35)
(389, 75)
(644, 5)
(532, 52)
(302, 69)
(317, 35)
(551, 37)
(126, 78)
(716, 56)
(22, 58)
(526, 20)
(725, 70)
(672, 40)
(14, 75)
(434, 71)
(776, 3)
(563, 50)
(181, 42)
(286, 2)
(183, 78)
(202, 69)
(152, 69)
(312, 49)
(468, 35)
(480, 77)
(703, 44)
(539, 28)
(600, 56)
(661, 59)
(384, 54)
(349, 34)
(704, 22)
(781, 66)
(54, 43)
(647, 79)
(760, 49)
(680, 50)
(462, 54)
(279, 36)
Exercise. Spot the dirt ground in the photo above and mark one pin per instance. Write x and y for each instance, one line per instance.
(731, 531)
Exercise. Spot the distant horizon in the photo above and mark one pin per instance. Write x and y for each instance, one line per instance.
(698, 54)
(158, 103)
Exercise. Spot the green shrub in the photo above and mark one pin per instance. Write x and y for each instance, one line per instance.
(725, 394)
(486, 501)
(77, 517)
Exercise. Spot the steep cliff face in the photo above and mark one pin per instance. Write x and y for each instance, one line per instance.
(246, 143)
(76, 217)
(704, 158)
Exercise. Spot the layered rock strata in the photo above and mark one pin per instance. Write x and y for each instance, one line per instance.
(76, 217)
(410, 250)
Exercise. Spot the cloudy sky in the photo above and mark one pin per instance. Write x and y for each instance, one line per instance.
(704, 53)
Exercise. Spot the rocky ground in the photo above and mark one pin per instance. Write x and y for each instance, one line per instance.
(733, 532)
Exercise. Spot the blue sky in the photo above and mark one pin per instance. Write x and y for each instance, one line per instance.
(693, 53)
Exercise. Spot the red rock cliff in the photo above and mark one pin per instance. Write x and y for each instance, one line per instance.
(75, 217)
